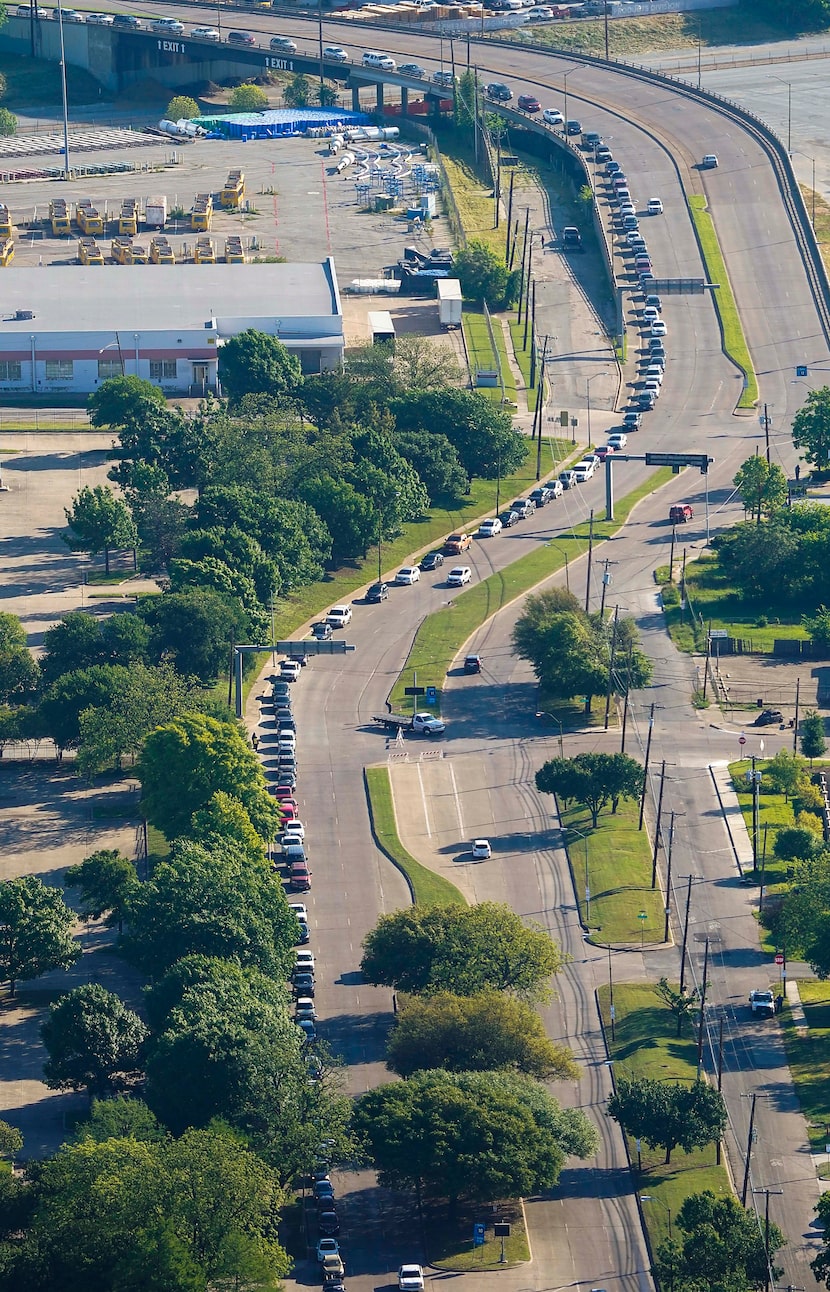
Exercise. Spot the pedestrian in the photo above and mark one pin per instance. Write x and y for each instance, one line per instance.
(779, 1003)
(255, 741)
(797, 472)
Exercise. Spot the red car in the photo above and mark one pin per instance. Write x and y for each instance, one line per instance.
(528, 103)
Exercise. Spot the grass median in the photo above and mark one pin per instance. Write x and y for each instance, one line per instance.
(428, 889)
(613, 862)
(646, 1044)
(734, 341)
(441, 635)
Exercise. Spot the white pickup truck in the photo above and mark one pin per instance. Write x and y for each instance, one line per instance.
(762, 1003)
(422, 724)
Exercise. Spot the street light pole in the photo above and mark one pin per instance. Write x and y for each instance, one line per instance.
(588, 398)
(779, 1193)
(565, 82)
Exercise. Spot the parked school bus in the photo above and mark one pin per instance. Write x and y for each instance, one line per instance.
(234, 255)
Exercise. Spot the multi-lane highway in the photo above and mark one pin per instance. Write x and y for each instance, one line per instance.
(589, 1233)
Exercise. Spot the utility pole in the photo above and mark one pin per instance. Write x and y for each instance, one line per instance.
(795, 722)
(754, 1097)
(668, 880)
(779, 1193)
(657, 827)
(706, 665)
(513, 244)
(645, 767)
(590, 553)
(671, 552)
(611, 660)
(702, 1006)
(766, 430)
(685, 935)
(606, 583)
(509, 217)
(720, 1080)
(540, 409)
(755, 778)
(522, 272)
(627, 693)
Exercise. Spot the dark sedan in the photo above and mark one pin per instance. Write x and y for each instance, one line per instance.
(432, 560)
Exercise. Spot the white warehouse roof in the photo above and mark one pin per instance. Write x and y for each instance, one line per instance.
(296, 298)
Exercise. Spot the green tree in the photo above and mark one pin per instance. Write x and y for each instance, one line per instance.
(297, 93)
(120, 1117)
(475, 1033)
(475, 1135)
(73, 693)
(818, 626)
(149, 698)
(593, 779)
(415, 365)
(682, 1004)
(181, 108)
(186, 761)
(460, 949)
(106, 882)
(11, 1140)
(667, 1114)
(213, 903)
(35, 931)
(167, 1216)
(254, 362)
(481, 433)
(346, 513)
(811, 428)
(195, 630)
(762, 486)
(797, 844)
(465, 100)
(72, 643)
(93, 1041)
(326, 95)
(289, 532)
(762, 560)
(532, 628)
(484, 276)
(811, 731)
(119, 400)
(199, 1064)
(99, 522)
(247, 98)
(224, 817)
(436, 461)
(722, 1248)
(785, 772)
(8, 122)
(19, 676)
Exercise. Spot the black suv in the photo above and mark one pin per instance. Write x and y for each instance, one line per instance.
(509, 518)
(377, 592)
(322, 630)
(499, 91)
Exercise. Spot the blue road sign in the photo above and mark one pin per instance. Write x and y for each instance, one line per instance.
(801, 370)
(432, 695)
(478, 1235)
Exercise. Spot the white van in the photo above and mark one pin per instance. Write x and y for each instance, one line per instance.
(373, 59)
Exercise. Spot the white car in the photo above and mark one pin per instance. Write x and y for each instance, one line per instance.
(627, 208)
(290, 670)
(411, 1278)
(481, 849)
(650, 314)
(335, 54)
(327, 1247)
(658, 328)
(709, 162)
(556, 487)
(300, 910)
(459, 575)
(408, 575)
(583, 471)
(304, 962)
(101, 19)
(489, 528)
(206, 33)
(304, 1008)
(618, 440)
(339, 616)
(655, 206)
(541, 13)
(288, 740)
(552, 117)
(164, 26)
(652, 384)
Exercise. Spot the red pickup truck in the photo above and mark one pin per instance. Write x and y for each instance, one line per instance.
(680, 513)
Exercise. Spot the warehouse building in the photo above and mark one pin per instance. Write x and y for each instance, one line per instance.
(64, 330)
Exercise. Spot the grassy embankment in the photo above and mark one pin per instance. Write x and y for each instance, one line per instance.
(717, 603)
(646, 1045)
(428, 889)
(629, 37)
(441, 635)
(618, 875)
(734, 341)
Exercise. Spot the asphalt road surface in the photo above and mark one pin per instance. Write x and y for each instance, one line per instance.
(659, 138)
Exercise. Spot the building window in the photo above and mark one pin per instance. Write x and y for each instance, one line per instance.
(59, 369)
(9, 370)
(109, 368)
(162, 369)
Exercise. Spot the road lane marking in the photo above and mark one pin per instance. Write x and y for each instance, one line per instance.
(424, 801)
(457, 798)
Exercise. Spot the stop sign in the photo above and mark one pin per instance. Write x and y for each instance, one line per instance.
(742, 740)
(779, 959)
